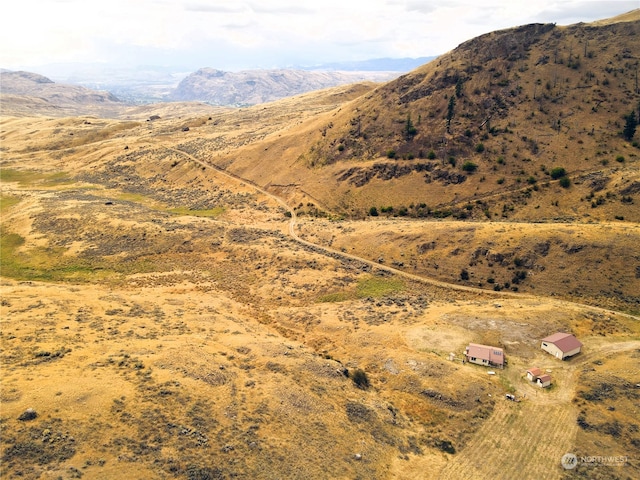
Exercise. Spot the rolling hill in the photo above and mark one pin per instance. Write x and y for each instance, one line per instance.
(524, 102)
(23, 92)
(285, 290)
(534, 135)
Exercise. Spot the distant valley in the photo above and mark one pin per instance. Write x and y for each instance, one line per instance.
(149, 84)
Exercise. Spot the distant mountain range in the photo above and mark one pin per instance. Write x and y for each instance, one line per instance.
(149, 84)
(27, 92)
(251, 87)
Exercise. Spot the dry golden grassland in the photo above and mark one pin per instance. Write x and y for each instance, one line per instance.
(162, 323)
(196, 292)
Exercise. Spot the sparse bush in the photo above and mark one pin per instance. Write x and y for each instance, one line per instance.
(373, 212)
(469, 166)
(519, 277)
(565, 182)
(480, 148)
(391, 153)
(359, 377)
(464, 274)
(557, 173)
(431, 155)
(620, 159)
(445, 446)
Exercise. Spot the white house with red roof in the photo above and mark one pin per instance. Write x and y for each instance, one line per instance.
(544, 380)
(561, 345)
(485, 355)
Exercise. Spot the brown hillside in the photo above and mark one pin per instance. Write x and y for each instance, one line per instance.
(527, 100)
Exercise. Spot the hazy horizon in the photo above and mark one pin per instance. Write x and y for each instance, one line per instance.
(190, 34)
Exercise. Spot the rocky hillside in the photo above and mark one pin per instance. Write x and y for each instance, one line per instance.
(525, 123)
(252, 87)
(30, 93)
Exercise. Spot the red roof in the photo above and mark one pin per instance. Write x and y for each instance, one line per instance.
(494, 355)
(544, 378)
(564, 341)
(535, 371)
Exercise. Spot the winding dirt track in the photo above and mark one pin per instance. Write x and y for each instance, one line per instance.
(337, 253)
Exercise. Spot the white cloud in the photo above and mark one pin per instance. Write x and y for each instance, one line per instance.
(253, 32)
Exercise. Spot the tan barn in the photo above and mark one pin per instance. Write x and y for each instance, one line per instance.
(485, 355)
(544, 381)
(561, 345)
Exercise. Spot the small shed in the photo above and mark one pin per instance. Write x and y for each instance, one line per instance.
(484, 355)
(544, 381)
(561, 345)
(533, 374)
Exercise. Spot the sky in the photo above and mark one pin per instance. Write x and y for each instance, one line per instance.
(243, 34)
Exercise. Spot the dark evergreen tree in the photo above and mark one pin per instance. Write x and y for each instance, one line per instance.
(410, 130)
(459, 87)
(450, 109)
(630, 126)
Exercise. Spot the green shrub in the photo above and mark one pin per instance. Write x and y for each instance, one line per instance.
(557, 172)
(373, 211)
(565, 182)
(391, 153)
(469, 166)
(620, 159)
(480, 148)
(431, 155)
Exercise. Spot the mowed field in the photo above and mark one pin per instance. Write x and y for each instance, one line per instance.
(163, 323)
